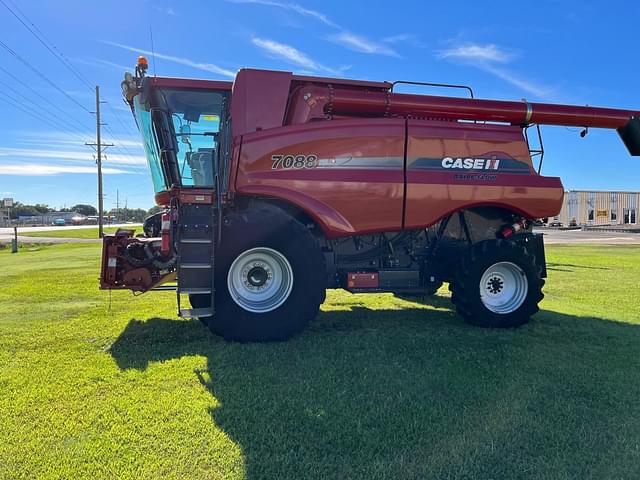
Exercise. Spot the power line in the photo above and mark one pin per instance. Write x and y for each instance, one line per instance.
(40, 96)
(118, 118)
(41, 75)
(38, 107)
(30, 111)
(40, 36)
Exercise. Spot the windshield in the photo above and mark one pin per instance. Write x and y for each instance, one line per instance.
(150, 143)
(195, 115)
(180, 132)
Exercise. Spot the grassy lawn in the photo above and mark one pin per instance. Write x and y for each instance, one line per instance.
(94, 385)
(89, 232)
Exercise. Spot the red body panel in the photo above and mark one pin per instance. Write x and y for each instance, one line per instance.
(433, 191)
(358, 185)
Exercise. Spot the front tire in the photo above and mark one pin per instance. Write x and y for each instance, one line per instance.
(497, 285)
(269, 278)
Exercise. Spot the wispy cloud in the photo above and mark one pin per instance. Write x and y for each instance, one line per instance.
(361, 44)
(493, 59)
(40, 169)
(294, 7)
(97, 62)
(207, 67)
(344, 37)
(403, 37)
(478, 53)
(53, 153)
(70, 155)
(292, 55)
(165, 10)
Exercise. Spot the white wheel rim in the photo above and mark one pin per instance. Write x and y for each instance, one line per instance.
(260, 280)
(503, 287)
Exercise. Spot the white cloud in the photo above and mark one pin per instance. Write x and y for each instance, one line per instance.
(72, 155)
(361, 44)
(166, 10)
(207, 67)
(487, 58)
(400, 37)
(345, 38)
(483, 53)
(39, 169)
(97, 62)
(525, 85)
(292, 55)
(292, 7)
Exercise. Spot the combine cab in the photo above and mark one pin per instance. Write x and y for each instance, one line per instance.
(276, 187)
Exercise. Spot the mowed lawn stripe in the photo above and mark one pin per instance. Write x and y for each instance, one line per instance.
(97, 385)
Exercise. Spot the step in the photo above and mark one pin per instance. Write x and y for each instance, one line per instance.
(195, 291)
(195, 312)
(195, 265)
(165, 288)
(195, 240)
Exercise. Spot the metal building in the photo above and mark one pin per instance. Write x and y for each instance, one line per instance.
(598, 208)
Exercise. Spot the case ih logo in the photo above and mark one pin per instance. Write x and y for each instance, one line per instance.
(471, 163)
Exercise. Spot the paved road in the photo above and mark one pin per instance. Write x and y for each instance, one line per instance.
(552, 236)
(6, 234)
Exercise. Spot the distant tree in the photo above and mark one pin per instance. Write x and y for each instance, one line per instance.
(20, 209)
(135, 214)
(154, 209)
(42, 208)
(84, 209)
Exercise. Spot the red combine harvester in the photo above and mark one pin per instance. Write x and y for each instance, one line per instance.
(277, 186)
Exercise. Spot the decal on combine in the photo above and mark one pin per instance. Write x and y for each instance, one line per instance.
(288, 162)
(471, 163)
(491, 163)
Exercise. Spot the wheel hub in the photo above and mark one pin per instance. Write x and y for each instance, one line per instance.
(260, 279)
(503, 287)
(495, 285)
(258, 276)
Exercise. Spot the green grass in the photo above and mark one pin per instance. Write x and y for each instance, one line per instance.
(89, 232)
(94, 385)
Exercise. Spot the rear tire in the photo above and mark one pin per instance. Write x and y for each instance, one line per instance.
(269, 279)
(498, 285)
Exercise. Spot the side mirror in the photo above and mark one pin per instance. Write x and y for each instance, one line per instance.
(185, 133)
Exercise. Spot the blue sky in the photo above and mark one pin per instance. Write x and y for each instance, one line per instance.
(577, 52)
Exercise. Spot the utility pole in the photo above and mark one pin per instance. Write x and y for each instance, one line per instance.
(99, 146)
(117, 202)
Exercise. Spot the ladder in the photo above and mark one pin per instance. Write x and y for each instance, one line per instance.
(195, 237)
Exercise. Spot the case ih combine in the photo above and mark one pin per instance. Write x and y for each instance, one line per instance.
(277, 186)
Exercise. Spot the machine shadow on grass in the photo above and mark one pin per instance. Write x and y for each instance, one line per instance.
(415, 392)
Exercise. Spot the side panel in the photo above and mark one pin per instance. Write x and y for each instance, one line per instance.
(459, 165)
(258, 100)
(351, 178)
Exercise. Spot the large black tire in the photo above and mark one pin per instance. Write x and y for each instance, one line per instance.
(497, 256)
(267, 228)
